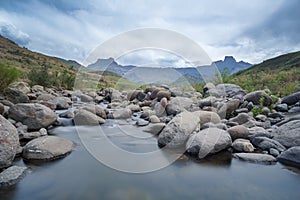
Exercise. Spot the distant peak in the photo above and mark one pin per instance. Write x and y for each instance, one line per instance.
(229, 58)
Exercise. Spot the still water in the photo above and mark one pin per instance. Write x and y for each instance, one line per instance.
(81, 176)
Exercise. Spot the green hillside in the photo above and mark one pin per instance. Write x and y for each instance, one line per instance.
(280, 74)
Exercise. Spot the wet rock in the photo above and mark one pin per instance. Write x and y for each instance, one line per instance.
(142, 122)
(255, 158)
(11, 175)
(242, 145)
(265, 143)
(288, 134)
(61, 102)
(256, 96)
(177, 131)
(239, 131)
(291, 99)
(15, 96)
(9, 142)
(87, 118)
(47, 148)
(178, 104)
(154, 129)
(208, 141)
(274, 152)
(290, 157)
(34, 115)
(68, 114)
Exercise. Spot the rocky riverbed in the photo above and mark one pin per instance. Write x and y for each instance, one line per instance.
(252, 126)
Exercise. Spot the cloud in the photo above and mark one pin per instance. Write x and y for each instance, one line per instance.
(11, 32)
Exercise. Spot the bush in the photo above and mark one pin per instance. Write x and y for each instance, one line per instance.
(7, 76)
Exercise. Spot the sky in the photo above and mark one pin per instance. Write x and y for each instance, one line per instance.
(252, 31)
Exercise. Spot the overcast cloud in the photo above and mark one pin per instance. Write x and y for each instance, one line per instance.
(249, 30)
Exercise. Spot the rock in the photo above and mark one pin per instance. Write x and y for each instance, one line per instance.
(86, 118)
(274, 152)
(134, 108)
(177, 131)
(34, 115)
(132, 95)
(85, 98)
(9, 142)
(225, 109)
(241, 118)
(1, 109)
(21, 86)
(242, 145)
(281, 107)
(238, 131)
(141, 96)
(48, 104)
(147, 114)
(260, 134)
(61, 102)
(155, 129)
(15, 96)
(207, 87)
(288, 134)
(207, 101)
(37, 88)
(208, 141)
(95, 110)
(68, 114)
(265, 111)
(142, 122)
(178, 104)
(276, 115)
(290, 157)
(229, 90)
(47, 148)
(164, 102)
(45, 97)
(294, 109)
(32, 135)
(159, 110)
(265, 143)
(241, 110)
(291, 99)
(163, 94)
(212, 125)
(255, 158)
(11, 175)
(261, 117)
(250, 106)
(154, 119)
(123, 113)
(32, 96)
(256, 96)
(207, 116)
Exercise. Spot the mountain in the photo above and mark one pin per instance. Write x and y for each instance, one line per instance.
(231, 65)
(280, 74)
(149, 75)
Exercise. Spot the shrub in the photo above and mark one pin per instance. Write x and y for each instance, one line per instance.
(7, 76)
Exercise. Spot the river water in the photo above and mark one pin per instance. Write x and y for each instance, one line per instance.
(80, 176)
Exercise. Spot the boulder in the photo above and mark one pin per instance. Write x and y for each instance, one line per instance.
(208, 141)
(291, 99)
(242, 145)
(142, 122)
(288, 134)
(281, 107)
(47, 148)
(123, 113)
(32, 135)
(45, 97)
(95, 110)
(34, 115)
(15, 96)
(258, 97)
(265, 143)
(207, 116)
(67, 114)
(178, 104)
(238, 131)
(241, 118)
(134, 108)
(21, 86)
(1, 109)
(225, 109)
(290, 157)
(212, 125)
(9, 142)
(87, 118)
(229, 90)
(11, 175)
(37, 88)
(177, 131)
(85, 98)
(163, 94)
(154, 129)
(255, 158)
(159, 110)
(61, 102)
(207, 101)
(154, 119)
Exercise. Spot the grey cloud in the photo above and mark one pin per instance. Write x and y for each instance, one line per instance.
(11, 32)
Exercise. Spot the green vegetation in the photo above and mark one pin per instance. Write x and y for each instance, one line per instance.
(7, 76)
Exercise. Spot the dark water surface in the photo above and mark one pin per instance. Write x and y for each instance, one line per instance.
(81, 176)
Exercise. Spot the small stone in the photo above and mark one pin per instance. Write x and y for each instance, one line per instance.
(11, 175)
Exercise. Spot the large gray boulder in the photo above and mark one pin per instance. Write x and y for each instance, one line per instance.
(61, 102)
(265, 143)
(225, 109)
(208, 141)
(291, 99)
(123, 113)
(9, 142)
(11, 175)
(229, 90)
(47, 148)
(238, 131)
(290, 157)
(288, 134)
(177, 131)
(258, 97)
(87, 118)
(178, 104)
(34, 115)
(16, 96)
(208, 116)
(255, 158)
